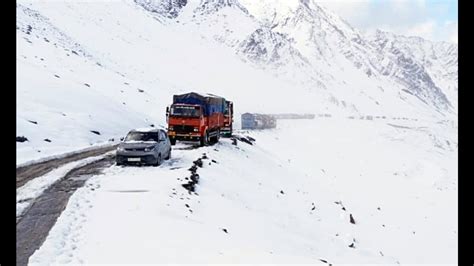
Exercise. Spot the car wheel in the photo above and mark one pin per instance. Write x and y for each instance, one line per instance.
(158, 161)
(169, 155)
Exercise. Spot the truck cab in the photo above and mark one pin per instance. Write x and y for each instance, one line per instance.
(185, 122)
(195, 117)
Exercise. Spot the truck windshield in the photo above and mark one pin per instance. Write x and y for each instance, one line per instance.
(190, 111)
(142, 136)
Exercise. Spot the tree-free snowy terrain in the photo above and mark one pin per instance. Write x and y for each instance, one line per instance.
(279, 200)
(384, 154)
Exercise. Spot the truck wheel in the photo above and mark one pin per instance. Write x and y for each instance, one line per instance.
(173, 141)
(204, 141)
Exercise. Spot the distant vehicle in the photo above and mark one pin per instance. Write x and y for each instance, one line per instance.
(257, 121)
(196, 117)
(228, 119)
(144, 146)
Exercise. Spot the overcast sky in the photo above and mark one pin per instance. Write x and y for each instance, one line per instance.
(435, 20)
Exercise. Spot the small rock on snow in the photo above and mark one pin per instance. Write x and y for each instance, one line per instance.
(351, 219)
(21, 139)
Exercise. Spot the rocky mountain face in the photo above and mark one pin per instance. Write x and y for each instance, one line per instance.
(302, 36)
(166, 8)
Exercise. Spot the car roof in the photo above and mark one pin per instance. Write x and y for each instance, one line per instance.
(150, 129)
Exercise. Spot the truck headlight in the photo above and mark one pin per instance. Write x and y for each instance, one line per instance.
(120, 149)
(196, 129)
(170, 128)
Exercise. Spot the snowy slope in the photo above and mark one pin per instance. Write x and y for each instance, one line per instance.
(277, 202)
(110, 66)
(130, 57)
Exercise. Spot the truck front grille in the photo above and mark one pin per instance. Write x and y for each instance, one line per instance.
(183, 129)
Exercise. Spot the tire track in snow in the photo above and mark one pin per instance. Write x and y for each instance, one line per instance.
(26, 173)
(36, 222)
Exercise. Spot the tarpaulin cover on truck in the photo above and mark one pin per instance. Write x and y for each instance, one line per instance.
(210, 103)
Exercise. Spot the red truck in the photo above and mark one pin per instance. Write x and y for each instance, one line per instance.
(195, 117)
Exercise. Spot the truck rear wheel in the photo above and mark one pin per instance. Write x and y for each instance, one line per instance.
(216, 137)
(172, 141)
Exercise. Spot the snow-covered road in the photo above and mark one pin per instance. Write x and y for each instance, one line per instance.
(286, 199)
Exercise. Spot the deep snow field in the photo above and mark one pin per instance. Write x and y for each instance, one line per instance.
(286, 199)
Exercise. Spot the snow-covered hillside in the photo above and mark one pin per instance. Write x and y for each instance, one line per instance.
(382, 148)
(285, 199)
(109, 66)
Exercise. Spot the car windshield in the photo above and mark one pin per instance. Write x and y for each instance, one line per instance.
(142, 136)
(191, 111)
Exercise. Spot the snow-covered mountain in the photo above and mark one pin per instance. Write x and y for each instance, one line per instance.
(131, 56)
(89, 71)
(323, 38)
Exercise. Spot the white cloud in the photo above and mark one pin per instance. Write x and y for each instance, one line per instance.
(353, 11)
(405, 17)
(425, 30)
(452, 31)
